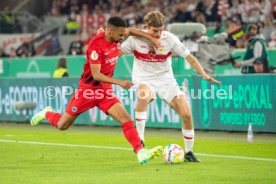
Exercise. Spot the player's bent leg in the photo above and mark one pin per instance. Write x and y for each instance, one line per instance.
(180, 105)
(59, 121)
(65, 121)
(118, 112)
(144, 96)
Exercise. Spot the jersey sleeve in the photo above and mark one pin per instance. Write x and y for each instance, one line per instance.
(178, 47)
(127, 46)
(94, 54)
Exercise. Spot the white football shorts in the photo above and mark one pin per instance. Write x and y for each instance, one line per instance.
(165, 89)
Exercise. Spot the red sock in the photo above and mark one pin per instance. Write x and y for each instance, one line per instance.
(53, 118)
(131, 135)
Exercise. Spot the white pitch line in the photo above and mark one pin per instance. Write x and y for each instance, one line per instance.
(237, 157)
(122, 148)
(66, 145)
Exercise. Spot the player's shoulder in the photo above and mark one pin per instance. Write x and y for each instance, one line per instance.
(130, 38)
(98, 37)
(96, 41)
(136, 38)
(167, 35)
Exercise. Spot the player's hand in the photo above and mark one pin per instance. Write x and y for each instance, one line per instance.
(125, 84)
(211, 79)
(155, 42)
(100, 30)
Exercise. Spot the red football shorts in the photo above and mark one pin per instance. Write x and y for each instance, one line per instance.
(85, 98)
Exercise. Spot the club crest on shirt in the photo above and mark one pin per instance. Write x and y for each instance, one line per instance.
(161, 49)
(94, 56)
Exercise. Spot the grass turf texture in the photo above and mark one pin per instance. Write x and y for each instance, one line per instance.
(32, 163)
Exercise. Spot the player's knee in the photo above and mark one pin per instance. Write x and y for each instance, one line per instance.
(187, 116)
(142, 102)
(144, 96)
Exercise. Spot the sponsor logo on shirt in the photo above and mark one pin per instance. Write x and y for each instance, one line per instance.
(151, 56)
(151, 53)
(144, 46)
(112, 60)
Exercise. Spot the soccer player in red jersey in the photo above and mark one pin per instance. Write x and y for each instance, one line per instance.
(95, 88)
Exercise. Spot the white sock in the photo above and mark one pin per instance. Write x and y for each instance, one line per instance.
(188, 136)
(141, 118)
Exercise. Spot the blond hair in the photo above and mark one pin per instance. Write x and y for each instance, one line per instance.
(155, 19)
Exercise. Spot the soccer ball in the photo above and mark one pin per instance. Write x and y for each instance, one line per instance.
(173, 154)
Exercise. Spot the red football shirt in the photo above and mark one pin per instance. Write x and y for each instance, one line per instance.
(100, 51)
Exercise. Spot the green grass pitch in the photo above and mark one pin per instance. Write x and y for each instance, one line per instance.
(43, 155)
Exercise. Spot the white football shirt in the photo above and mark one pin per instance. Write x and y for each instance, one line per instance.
(150, 64)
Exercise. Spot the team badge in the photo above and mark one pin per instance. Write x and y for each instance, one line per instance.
(161, 49)
(94, 56)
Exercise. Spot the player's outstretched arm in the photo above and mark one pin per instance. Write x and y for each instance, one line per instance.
(136, 32)
(139, 33)
(98, 76)
(196, 65)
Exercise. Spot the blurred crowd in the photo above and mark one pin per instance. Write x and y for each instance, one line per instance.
(221, 15)
(84, 17)
(9, 22)
(208, 12)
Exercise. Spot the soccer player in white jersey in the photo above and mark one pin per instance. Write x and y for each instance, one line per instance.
(152, 75)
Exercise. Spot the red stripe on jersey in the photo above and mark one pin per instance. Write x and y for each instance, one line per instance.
(151, 57)
(189, 138)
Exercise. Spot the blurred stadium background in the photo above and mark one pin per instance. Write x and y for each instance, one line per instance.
(34, 35)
